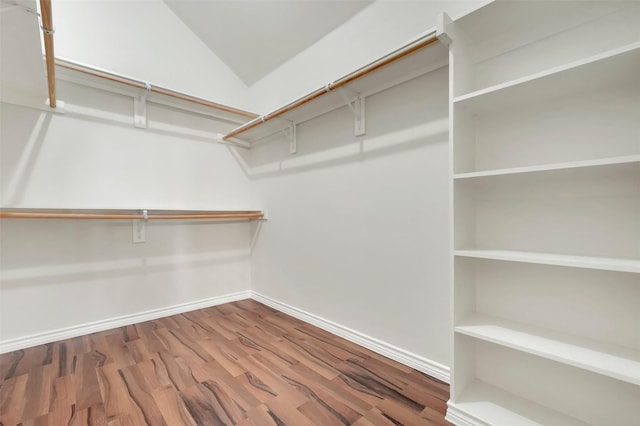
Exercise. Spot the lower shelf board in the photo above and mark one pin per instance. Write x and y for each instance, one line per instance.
(610, 360)
(483, 404)
(588, 262)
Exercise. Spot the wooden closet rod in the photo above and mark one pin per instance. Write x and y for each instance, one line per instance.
(47, 34)
(157, 89)
(248, 215)
(386, 60)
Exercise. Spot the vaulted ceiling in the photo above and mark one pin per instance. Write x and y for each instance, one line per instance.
(254, 37)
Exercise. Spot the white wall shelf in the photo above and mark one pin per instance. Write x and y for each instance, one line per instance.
(75, 73)
(600, 263)
(483, 404)
(545, 173)
(32, 213)
(616, 67)
(611, 161)
(500, 44)
(610, 360)
(337, 94)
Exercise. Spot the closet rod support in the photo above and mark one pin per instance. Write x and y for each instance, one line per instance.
(292, 135)
(357, 109)
(140, 111)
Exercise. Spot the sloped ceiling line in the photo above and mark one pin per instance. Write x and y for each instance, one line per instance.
(255, 37)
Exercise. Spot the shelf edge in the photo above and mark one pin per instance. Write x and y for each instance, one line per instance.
(586, 262)
(634, 158)
(547, 73)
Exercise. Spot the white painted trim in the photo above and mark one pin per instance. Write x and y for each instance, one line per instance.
(94, 327)
(461, 418)
(410, 359)
(16, 98)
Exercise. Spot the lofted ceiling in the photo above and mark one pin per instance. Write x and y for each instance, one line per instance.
(254, 37)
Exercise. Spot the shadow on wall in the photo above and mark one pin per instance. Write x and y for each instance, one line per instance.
(35, 252)
(19, 153)
(53, 275)
(99, 106)
(362, 150)
(399, 119)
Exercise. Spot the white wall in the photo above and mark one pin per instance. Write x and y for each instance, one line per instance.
(66, 274)
(358, 228)
(145, 40)
(378, 29)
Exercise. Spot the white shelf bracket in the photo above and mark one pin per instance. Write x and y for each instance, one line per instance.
(292, 136)
(140, 228)
(357, 109)
(140, 109)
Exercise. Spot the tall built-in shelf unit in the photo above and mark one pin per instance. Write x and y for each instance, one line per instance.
(545, 147)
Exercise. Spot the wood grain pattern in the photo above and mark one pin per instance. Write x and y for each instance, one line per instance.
(240, 363)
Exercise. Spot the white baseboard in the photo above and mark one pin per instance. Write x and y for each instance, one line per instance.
(412, 360)
(94, 327)
(461, 418)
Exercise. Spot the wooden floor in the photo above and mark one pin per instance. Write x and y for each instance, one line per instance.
(241, 363)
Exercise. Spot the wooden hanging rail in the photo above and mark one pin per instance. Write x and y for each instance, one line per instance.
(129, 214)
(367, 69)
(146, 86)
(47, 34)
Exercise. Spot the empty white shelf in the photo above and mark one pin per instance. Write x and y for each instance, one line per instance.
(483, 404)
(611, 161)
(618, 66)
(601, 263)
(603, 358)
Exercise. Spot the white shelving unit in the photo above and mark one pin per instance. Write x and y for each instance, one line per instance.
(545, 171)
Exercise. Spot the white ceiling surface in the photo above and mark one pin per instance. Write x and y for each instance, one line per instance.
(254, 37)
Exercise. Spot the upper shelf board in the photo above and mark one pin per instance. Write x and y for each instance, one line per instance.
(616, 67)
(115, 83)
(502, 26)
(427, 59)
(29, 213)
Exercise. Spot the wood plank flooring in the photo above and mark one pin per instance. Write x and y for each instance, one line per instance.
(240, 363)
